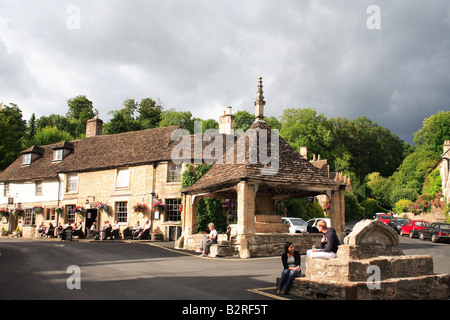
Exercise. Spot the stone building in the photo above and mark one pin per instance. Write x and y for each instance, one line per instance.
(443, 166)
(260, 169)
(117, 171)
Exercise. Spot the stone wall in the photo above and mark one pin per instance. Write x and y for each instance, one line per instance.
(267, 245)
(436, 215)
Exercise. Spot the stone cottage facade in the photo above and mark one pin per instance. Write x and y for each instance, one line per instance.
(119, 171)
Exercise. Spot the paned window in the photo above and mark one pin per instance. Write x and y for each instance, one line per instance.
(122, 211)
(174, 172)
(29, 218)
(72, 183)
(27, 158)
(70, 214)
(172, 210)
(38, 185)
(57, 155)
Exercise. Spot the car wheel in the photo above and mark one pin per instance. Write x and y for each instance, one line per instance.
(434, 239)
(421, 236)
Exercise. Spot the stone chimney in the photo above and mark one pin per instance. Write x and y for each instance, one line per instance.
(226, 122)
(446, 146)
(94, 127)
(259, 103)
(304, 152)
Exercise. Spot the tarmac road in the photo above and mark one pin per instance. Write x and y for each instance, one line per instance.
(150, 271)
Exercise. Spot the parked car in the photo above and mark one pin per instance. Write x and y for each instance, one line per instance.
(384, 217)
(412, 228)
(435, 232)
(312, 224)
(397, 223)
(296, 225)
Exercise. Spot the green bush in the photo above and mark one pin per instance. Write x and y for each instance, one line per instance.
(371, 207)
(402, 205)
(353, 210)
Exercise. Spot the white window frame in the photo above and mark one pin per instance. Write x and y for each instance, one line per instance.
(58, 154)
(72, 185)
(27, 157)
(123, 178)
(174, 172)
(38, 187)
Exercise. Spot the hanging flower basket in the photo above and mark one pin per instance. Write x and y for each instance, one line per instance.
(158, 206)
(102, 206)
(59, 209)
(79, 210)
(18, 212)
(139, 207)
(38, 209)
(4, 213)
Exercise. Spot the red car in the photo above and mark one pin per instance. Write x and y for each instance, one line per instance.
(384, 218)
(412, 227)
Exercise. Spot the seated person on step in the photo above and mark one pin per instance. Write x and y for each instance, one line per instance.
(208, 240)
(329, 243)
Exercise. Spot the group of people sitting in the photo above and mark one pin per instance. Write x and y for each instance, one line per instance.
(138, 232)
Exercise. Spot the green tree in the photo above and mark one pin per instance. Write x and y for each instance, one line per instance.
(81, 109)
(304, 127)
(150, 114)
(50, 135)
(435, 130)
(182, 118)
(12, 130)
(243, 120)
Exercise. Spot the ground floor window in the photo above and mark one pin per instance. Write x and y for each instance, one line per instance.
(122, 211)
(49, 214)
(172, 210)
(70, 214)
(29, 218)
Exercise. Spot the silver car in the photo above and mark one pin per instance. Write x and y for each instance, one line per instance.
(296, 225)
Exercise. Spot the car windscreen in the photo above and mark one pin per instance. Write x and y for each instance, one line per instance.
(298, 222)
(386, 217)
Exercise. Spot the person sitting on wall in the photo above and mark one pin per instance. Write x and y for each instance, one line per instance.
(144, 233)
(78, 231)
(291, 263)
(136, 230)
(106, 232)
(116, 230)
(208, 240)
(49, 232)
(58, 230)
(329, 243)
(41, 229)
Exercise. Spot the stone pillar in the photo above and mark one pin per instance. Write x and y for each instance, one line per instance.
(337, 214)
(246, 217)
(189, 217)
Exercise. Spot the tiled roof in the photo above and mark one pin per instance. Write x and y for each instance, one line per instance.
(95, 153)
(292, 167)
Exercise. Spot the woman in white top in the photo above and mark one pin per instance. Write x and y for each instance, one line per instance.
(207, 240)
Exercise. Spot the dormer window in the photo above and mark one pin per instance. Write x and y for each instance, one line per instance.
(62, 150)
(57, 155)
(27, 158)
(31, 154)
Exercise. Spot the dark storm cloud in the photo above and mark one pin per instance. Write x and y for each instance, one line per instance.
(205, 55)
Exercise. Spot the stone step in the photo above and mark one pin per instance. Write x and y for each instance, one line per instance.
(429, 287)
(217, 250)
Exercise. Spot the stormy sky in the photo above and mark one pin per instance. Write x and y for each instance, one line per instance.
(391, 65)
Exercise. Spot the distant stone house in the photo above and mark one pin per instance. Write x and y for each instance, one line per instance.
(443, 166)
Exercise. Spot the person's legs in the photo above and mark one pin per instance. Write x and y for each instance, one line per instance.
(321, 255)
(284, 277)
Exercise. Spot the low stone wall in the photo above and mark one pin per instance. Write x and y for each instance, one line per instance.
(269, 245)
(436, 215)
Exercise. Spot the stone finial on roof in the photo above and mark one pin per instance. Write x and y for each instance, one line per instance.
(259, 103)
